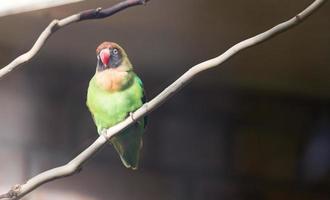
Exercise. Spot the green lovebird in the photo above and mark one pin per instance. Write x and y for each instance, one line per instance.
(114, 92)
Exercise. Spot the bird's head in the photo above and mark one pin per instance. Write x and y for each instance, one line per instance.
(111, 56)
(113, 67)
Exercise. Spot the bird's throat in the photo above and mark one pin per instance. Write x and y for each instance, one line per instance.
(113, 80)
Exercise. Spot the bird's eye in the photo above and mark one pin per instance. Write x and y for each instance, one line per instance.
(115, 57)
(115, 51)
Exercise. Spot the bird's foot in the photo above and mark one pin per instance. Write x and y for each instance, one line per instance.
(132, 117)
(103, 133)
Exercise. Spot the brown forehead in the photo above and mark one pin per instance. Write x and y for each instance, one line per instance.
(105, 45)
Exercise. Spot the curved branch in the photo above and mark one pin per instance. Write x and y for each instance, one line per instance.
(55, 25)
(76, 164)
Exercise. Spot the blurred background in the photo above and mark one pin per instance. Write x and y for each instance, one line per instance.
(257, 127)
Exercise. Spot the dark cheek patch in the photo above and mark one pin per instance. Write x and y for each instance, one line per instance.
(115, 59)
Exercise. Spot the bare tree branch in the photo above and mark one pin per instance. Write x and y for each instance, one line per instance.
(55, 25)
(76, 164)
(10, 7)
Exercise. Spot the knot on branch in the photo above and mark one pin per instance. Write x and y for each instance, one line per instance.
(99, 13)
(54, 25)
(298, 18)
(13, 193)
(98, 9)
(92, 14)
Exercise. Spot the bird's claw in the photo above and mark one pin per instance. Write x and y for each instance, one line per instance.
(103, 131)
(131, 116)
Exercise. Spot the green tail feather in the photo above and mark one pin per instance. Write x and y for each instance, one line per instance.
(128, 145)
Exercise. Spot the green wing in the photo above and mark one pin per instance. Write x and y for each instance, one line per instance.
(129, 143)
(143, 99)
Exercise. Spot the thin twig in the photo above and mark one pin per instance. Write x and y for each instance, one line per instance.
(55, 25)
(76, 164)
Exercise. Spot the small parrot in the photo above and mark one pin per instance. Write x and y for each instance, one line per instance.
(114, 92)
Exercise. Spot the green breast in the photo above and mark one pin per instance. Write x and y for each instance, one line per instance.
(110, 108)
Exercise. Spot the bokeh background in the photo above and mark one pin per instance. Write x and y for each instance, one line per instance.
(257, 127)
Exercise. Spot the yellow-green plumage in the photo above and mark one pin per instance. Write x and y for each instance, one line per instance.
(111, 107)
